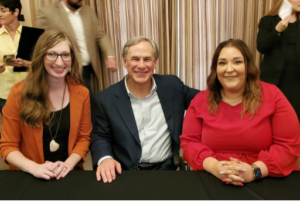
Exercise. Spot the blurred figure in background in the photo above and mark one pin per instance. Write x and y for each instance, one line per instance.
(10, 33)
(278, 39)
(81, 25)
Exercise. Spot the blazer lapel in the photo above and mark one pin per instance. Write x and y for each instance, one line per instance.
(76, 103)
(297, 45)
(164, 93)
(124, 108)
(66, 22)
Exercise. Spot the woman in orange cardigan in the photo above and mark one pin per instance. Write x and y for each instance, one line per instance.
(46, 119)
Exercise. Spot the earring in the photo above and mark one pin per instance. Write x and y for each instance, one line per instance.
(70, 69)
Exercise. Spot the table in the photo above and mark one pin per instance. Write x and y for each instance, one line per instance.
(144, 185)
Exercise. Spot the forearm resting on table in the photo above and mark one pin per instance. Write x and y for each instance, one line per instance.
(210, 165)
(73, 159)
(17, 159)
(263, 168)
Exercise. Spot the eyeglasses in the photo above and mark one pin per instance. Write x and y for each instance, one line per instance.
(67, 57)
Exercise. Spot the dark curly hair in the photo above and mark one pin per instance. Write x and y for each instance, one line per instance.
(12, 5)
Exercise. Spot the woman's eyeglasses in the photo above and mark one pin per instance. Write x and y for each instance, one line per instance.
(67, 57)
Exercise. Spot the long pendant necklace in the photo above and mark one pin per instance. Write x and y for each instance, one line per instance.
(53, 144)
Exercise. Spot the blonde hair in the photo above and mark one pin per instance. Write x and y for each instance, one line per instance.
(36, 105)
(252, 93)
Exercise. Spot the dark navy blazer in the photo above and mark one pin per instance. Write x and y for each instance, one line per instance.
(114, 129)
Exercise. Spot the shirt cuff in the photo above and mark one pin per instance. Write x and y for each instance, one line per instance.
(103, 158)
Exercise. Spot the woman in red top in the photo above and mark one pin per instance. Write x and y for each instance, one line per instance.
(240, 129)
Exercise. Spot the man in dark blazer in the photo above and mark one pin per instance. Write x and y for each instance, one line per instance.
(139, 119)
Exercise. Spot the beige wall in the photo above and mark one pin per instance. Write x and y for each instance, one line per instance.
(26, 12)
(29, 11)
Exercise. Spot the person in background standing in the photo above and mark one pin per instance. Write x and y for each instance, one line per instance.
(278, 39)
(81, 24)
(10, 32)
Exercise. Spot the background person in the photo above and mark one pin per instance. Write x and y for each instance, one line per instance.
(47, 120)
(10, 33)
(81, 24)
(240, 129)
(278, 39)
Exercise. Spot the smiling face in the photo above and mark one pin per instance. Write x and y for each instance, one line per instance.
(140, 63)
(6, 16)
(231, 70)
(295, 4)
(58, 68)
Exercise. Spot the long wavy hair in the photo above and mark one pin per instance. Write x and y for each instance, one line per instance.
(36, 105)
(275, 8)
(252, 94)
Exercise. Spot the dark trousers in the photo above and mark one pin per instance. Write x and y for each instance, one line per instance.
(2, 103)
(86, 76)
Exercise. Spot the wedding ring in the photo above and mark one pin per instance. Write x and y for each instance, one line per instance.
(237, 172)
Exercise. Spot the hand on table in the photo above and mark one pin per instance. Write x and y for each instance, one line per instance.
(2, 67)
(226, 171)
(19, 63)
(283, 24)
(111, 64)
(61, 169)
(237, 172)
(44, 170)
(50, 170)
(107, 169)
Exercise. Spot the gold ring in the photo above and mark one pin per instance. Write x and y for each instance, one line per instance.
(237, 172)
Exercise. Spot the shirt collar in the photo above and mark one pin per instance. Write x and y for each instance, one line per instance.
(19, 28)
(3, 29)
(68, 10)
(153, 90)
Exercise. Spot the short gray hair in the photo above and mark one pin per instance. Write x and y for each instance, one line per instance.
(136, 40)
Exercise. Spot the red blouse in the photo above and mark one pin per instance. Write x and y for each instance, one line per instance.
(272, 136)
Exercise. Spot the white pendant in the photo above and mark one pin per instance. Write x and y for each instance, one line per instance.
(53, 146)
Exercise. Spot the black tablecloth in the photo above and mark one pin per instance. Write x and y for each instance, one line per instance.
(144, 185)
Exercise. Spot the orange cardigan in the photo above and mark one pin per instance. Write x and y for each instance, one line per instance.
(16, 136)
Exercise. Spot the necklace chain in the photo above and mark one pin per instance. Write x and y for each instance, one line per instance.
(62, 104)
(231, 101)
